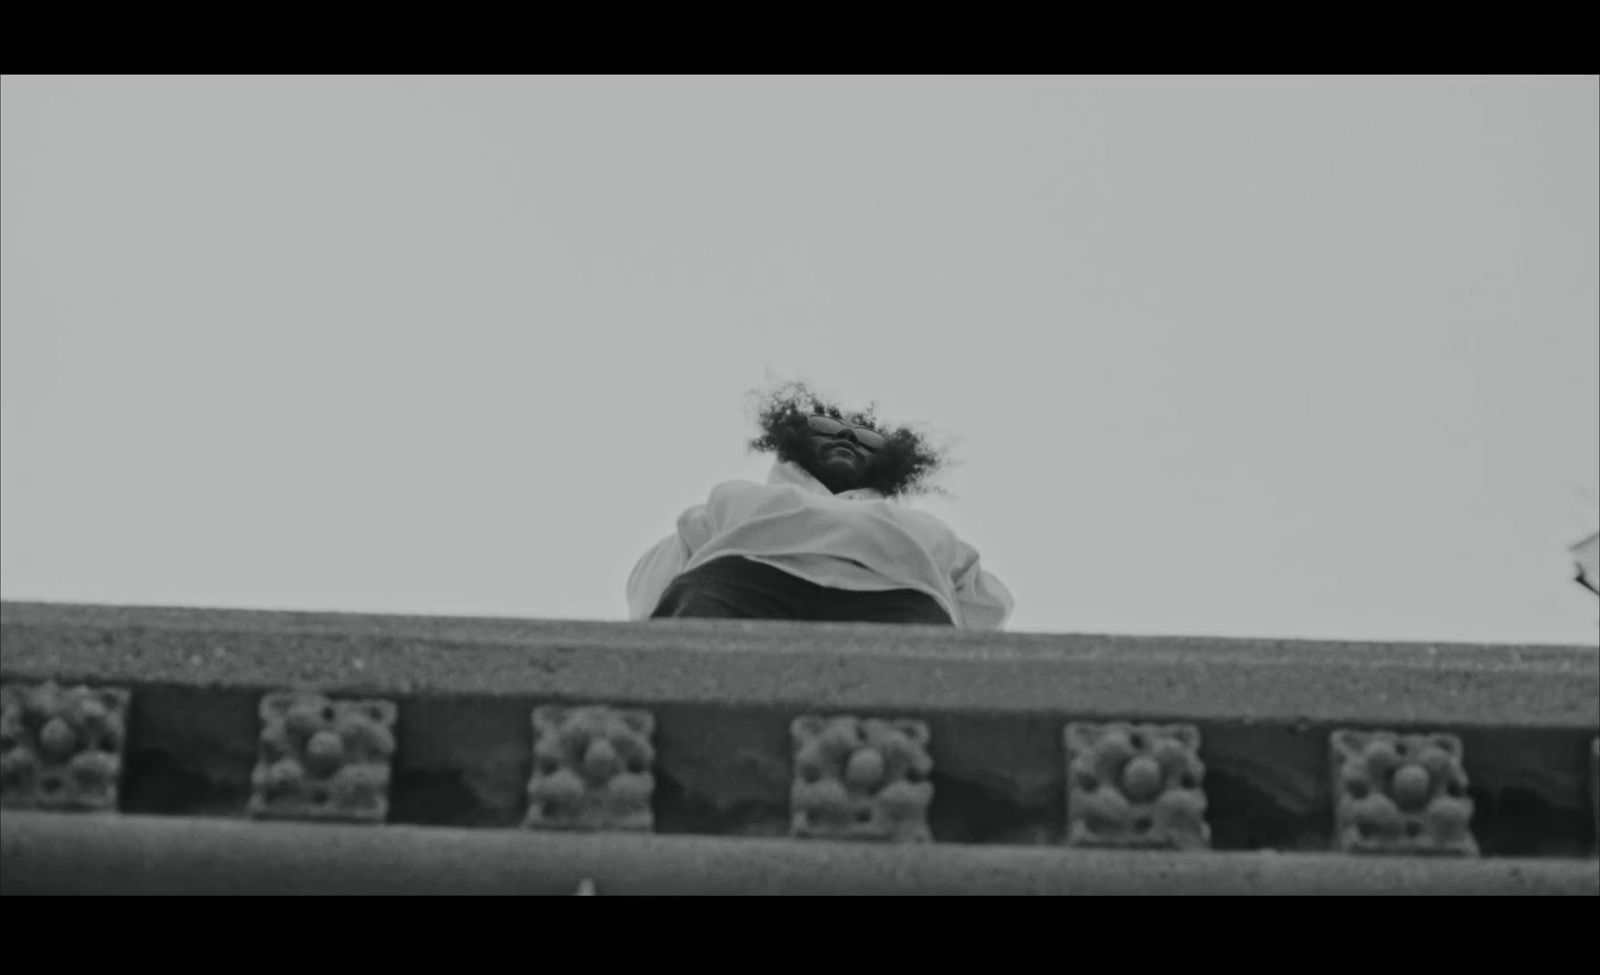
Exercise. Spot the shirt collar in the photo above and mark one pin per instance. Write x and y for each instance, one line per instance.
(787, 472)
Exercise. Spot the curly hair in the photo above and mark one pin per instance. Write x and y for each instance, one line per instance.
(904, 467)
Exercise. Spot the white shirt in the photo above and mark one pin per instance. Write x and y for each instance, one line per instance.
(857, 540)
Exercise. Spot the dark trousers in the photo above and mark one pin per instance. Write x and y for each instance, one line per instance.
(737, 588)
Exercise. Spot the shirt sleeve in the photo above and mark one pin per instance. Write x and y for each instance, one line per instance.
(653, 572)
(984, 600)
(656, 569)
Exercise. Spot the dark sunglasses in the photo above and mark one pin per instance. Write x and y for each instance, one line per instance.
(870, 439)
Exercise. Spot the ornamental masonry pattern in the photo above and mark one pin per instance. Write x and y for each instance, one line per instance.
(853, 777)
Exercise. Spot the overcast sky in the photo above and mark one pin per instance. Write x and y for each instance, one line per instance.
(1254, 357)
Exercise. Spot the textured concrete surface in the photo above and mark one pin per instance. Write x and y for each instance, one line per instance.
(846, 666)
(57, 854)
(723, 695)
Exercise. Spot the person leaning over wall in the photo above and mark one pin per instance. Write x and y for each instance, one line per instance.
(828, 537)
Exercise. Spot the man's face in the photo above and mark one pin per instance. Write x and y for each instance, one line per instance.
(838, 459)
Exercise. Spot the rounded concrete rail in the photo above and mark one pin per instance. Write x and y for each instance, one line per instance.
(55, 854)
(783, 664)
(1003, 717)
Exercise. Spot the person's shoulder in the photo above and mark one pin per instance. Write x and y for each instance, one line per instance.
(903, 510)
(741, 486)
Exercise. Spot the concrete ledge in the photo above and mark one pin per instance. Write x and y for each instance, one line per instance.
(55, 854)
(723, 695)
(841, 666)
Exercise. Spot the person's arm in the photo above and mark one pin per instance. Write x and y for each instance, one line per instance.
(985, 601)
(654, 571)
(657, 568)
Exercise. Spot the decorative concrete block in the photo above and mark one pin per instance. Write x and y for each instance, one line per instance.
(323, 759)
(1135, 786)
(61, 749)
(1400, 793)
(592, 769)
(860, 779)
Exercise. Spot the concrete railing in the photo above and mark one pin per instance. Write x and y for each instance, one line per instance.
(495, 754)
